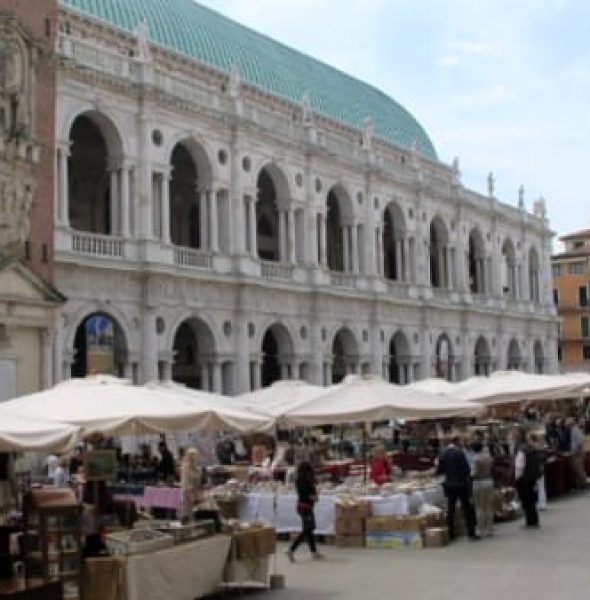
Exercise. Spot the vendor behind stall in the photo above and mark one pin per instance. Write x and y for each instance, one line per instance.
(380, 469)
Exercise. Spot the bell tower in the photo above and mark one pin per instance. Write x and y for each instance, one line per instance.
(27, 131)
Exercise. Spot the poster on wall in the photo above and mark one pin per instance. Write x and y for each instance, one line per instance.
(7, 378)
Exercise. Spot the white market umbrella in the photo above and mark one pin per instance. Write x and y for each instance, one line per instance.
(112, 406)
(432, 385)
(368, 399)
(220, 413)
(19, 434)
(281, 397)
(503, 387)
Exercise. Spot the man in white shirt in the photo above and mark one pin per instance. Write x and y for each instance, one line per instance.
(577, 442)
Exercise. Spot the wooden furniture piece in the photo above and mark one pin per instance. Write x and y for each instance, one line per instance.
(52, 538)
(36, 589)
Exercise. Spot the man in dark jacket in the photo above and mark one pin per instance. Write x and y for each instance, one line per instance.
(457, 485)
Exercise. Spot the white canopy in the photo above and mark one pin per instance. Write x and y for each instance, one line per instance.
(433, 385)
(370, 399)
(18, 433)
(503, 387)
(113, 406)
(220, 413)
(281, 397)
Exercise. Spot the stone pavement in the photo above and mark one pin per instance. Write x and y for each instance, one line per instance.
(516, 564)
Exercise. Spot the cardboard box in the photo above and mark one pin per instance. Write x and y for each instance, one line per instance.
(436, 537)
(359, 510)
(349, 526)
(390, 541)
(435, 519)
(415, 523)
(349, 541)
(386, 524)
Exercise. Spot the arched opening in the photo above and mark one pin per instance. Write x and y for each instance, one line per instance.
(185, 210)
(345, 355)
(339, 237)
(534, 275)
(267, 219)
(482, 360)
(476, 263)
(514, 362)
(99, 347)
(399, 364)
(539, 357)
(277, 355)
(444, 358)
(508, 271)
(439, 258)
(395, 261)
(195, 363)
(90, 185)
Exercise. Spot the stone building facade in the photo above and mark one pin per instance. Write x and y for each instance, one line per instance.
(27, 148)
(216, 229)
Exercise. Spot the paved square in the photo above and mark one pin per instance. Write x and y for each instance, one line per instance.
(516, 564)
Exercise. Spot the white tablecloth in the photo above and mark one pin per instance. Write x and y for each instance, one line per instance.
(184, 572)
(284, 518)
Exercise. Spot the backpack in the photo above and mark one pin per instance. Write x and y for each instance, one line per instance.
(534, 467)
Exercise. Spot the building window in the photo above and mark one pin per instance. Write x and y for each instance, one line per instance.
(586, 351)
(578, 244)
(577, 268)
(583, 295)
(555, 297)
(584, 327)
(556, 270)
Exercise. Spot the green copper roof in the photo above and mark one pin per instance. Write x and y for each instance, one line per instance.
(188, 28)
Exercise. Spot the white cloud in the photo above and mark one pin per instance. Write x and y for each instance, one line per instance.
(468, 46)
(448, 60)
(494, 95)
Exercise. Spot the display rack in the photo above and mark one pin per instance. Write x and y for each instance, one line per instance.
(52, 541)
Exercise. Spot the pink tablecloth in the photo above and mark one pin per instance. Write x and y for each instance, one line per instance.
(155, 497)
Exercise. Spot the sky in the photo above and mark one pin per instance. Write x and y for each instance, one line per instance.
(502, 84)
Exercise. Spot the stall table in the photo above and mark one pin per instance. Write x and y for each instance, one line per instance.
(249, 557)
(183, 572)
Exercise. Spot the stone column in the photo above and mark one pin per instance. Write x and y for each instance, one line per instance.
(214, 222)
(46, 367)
(282, 235)
(291, 236)
(149, 352)
(285, 370)
(449, 270)
(405, 260)
(346, 249)
(323, 241)
(242, 361)
(217, 385)
(252, 227)
(205, 383)
(125, 231)
(355, 249)
(63, 199)
(398, 260)
(115, 200)
(203, 220)
(257, 374)
(165, 210)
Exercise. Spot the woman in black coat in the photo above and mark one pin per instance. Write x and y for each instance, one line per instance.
(306, 498)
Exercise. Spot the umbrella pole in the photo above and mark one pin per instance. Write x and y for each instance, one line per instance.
(364, 456)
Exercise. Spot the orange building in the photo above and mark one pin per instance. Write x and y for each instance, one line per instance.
(571, 280)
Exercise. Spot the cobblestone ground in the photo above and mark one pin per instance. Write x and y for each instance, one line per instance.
(516, 564)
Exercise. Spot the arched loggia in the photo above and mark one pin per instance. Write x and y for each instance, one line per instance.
(514, 358)
(345, 355)
(534, 275)
(277, 355)
(399, 359)
(94, 181)
(444, 360)
(440, 267)
(482, 359)
(195, 363)
(476, 261)
(508, 270)
(395, 246)
(100, 346)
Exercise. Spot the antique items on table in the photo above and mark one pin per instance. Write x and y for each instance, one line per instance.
(52, 541)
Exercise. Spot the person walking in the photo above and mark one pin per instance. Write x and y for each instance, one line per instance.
(483, 488)
(457, 485)
(526, 473)
(577, 443)
(307, 496)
